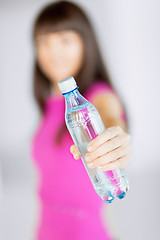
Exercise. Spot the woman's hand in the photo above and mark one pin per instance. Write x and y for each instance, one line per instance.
(109, 150)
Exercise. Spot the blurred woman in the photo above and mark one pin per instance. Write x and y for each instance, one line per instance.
(65, 45)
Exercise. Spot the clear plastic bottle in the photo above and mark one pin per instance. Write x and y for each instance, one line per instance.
(84, 124)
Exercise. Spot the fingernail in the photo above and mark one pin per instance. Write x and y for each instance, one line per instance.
(89, 148)
(100, 167)
(87, 158)
(90, 164)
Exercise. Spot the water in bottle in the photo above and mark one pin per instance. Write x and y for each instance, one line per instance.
(84, 124)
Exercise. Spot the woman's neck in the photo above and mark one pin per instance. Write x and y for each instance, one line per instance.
(55, 90)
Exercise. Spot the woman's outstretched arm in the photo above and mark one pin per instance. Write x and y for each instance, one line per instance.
(112, 148)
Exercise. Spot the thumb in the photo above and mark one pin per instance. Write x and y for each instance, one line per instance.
(74, 151)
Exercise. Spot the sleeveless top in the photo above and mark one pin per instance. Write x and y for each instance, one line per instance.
(70, 207)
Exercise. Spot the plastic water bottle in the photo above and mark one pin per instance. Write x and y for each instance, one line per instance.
(84, 124)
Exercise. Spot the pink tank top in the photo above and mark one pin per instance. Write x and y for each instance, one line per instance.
(70, 207)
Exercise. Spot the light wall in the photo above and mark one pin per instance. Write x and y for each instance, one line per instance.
(128, 34)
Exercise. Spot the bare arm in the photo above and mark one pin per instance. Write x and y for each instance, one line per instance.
(111, 149)
(110, 110)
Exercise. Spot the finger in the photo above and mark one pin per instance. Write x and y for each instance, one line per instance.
(73, 149)
(76, 156)
(107, 147)
(111, 156)
(107, 134)
(119, 163)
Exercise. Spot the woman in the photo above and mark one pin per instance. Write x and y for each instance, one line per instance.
(65, 46)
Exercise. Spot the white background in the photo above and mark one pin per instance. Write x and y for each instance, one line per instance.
(128, 34)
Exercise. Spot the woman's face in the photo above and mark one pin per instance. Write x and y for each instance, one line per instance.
(59, 54)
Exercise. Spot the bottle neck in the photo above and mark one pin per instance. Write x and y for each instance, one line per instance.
(74, 99)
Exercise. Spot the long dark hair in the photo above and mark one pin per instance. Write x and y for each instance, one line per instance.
(64, 15)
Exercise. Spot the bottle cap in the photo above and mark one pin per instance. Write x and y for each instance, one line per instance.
(67, 84)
